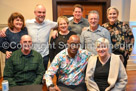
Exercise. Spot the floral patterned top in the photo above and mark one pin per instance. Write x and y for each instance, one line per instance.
(121, 36)
(70, 70)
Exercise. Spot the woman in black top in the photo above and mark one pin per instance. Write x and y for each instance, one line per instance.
(105, 71)
(59, 43)
(16, 28)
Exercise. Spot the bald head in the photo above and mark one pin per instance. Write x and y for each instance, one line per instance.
(40, 13)
(26, 37)
(26, 44)
(74, 38)
(73, 45)
(39, 6)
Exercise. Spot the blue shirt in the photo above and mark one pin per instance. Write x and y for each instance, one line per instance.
(40, 35)
(88, 38)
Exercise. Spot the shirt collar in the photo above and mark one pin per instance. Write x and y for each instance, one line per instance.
(68, 55)
(29, 55)
(115, 24)
(97, 30)
(81, 20)
(39, 23)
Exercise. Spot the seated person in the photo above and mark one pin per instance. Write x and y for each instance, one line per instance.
(70, 64)
(105, 71)
(25, 66)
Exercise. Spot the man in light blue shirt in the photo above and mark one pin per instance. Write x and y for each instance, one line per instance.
(39, 29)
(93, 32)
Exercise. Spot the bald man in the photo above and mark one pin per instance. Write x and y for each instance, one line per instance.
(25, 66)
(70, 64)
(39, 29)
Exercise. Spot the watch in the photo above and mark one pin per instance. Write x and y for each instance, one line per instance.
(52, 85)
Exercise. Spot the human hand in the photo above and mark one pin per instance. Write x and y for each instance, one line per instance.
(55, 34)
(8, 54)
(3, 32)
(84, 28)
(57, 88)
(52, 89)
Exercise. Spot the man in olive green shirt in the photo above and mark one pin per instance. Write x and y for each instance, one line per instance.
(25, 66)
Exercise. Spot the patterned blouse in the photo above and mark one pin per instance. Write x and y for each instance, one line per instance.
(121, 36)
(71, 70)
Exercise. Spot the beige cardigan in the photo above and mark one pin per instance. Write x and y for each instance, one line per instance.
(117, 78)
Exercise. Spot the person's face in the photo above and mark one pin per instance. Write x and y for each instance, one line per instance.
(18, 23)
(102, 50)
(26, 43)
(93, 20)
(77, 13)
(63, 26)
(73, 46)
(112, 15)
(40, 14)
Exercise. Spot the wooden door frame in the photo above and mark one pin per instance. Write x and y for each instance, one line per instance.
(106, 4)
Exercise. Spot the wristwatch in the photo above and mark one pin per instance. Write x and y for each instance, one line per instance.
(52, 85)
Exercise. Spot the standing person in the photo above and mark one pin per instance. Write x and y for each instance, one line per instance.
(25, 66)
(39, 29)
(78, 22)
(121, 34)
(93, 32)
(59, 43)
(70, 63)
(16, 29)
(105, 71)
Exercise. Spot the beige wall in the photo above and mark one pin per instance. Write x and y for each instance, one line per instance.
(133, 11)
(26, 7)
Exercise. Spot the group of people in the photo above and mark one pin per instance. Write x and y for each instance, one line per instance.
(83, 54)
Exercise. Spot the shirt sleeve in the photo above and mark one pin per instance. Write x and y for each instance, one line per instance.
(39, 71)
(82, 40)
(52, 70)
(130, 37)
(53, 24)
(107, 33)
(8, 72)
(121, 83)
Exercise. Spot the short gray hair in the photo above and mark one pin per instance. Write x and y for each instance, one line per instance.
(94, 12)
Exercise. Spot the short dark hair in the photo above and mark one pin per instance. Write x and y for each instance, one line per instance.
(14, 16)
(78, 6)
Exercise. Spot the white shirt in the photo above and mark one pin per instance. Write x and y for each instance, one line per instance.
(40, 35)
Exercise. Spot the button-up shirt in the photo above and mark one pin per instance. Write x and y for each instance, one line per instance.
(77, 27)
(70, 70)
(88, 38)
(23, 69)
(40, 35)
(121, 36)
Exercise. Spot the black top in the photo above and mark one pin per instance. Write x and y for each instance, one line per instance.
(58, 44)
(101, 74)
(12, 40)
